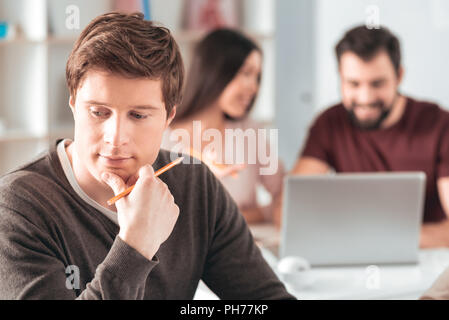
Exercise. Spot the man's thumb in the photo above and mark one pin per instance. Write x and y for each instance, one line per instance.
(114, 182)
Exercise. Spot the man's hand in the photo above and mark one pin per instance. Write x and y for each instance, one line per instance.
(148, 214)
(310, 165)
(435, 235)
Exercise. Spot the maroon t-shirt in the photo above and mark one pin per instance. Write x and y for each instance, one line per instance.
(419, 141)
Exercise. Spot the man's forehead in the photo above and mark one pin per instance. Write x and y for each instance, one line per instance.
(376, 68)
(100, 87)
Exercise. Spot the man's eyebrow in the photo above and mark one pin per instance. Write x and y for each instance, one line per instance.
(96, 103)
(145, 107)
(371, 81)
(141, 107)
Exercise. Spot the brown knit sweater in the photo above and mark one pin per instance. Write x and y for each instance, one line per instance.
(46, 230)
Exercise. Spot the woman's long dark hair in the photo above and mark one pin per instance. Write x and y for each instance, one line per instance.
(216, 60)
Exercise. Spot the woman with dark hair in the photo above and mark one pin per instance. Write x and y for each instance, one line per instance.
(223, 55)
(221, 87)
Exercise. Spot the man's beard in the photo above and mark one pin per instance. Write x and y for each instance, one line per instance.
(374, 124)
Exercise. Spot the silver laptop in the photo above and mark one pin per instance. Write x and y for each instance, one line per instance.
(353, 219)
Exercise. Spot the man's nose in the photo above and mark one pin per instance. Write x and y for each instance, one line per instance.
(366, 96)
(115, 131)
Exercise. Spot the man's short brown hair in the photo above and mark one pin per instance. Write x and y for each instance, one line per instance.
(366, 43)
(130, 46)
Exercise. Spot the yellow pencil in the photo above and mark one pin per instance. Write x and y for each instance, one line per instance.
(156, 174)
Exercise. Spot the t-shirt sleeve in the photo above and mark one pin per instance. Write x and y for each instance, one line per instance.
(317, 142)
(273, 184)
(271, 170)
(271, 176)
(32, 266)
(443, 152)
(235, 268)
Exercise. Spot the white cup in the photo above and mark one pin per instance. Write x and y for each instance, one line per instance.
(295, 271)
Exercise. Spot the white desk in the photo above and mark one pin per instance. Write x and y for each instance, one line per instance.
(380, 282)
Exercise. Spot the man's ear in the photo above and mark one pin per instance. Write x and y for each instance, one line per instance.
(170, 117)
(400, 74)
(72, 104)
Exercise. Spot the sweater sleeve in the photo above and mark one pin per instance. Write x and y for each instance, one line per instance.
(31, 267)
(235, 268)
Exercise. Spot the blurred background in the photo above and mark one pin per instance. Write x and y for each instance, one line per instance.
(300, 75)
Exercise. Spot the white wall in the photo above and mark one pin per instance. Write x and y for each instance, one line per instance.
(295, 74)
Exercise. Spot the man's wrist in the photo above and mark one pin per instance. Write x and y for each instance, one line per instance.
(148, 251)
(126, 263)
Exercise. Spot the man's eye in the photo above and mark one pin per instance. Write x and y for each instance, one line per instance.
(98, 113)
(137, 115)
(378, 84)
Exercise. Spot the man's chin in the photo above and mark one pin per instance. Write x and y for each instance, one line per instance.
(124, 174)
(368, 124)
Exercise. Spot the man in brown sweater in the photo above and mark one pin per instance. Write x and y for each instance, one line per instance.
(59, 239)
